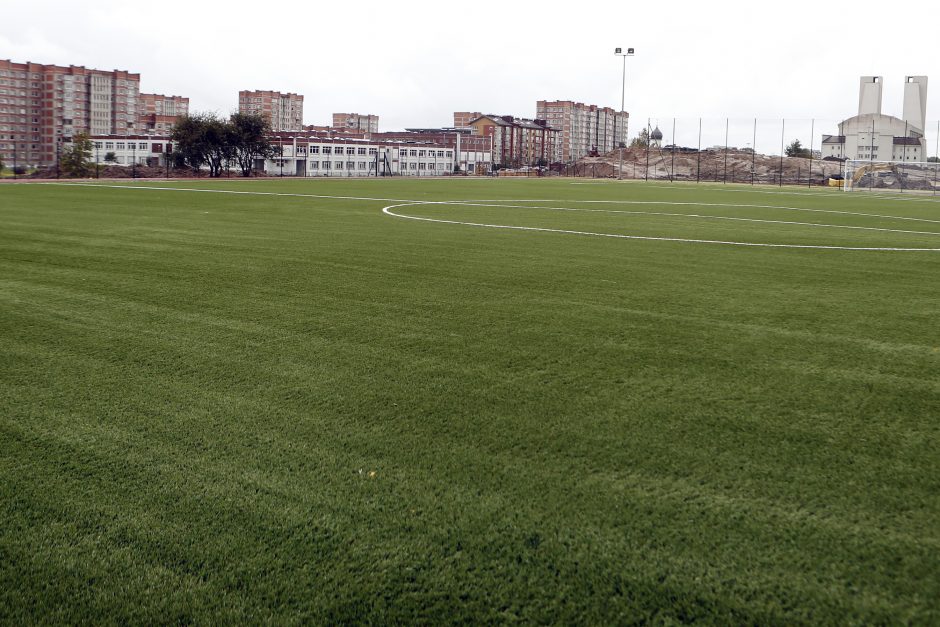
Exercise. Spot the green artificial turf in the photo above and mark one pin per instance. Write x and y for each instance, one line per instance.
(247, 408)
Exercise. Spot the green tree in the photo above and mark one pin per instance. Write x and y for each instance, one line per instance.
(203, 139)
(110, 157)
(248, 134)
(642, 140)
(795, 149)
(75, 159)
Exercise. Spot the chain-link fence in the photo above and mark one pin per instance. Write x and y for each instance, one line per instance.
(757, 151)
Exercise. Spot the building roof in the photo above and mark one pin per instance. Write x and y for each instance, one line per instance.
(656, 134)
(833, 139)
(906, 141)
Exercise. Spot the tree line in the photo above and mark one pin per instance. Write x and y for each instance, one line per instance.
(206, 140)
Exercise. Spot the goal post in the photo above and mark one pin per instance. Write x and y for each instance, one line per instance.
(891, 176)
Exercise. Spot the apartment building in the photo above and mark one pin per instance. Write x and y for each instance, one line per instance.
(354, 121)
(285, 112)
(462, 119)
(42, 105)
(584, 129)
(518, 141)
(322, 155)
(158, 113)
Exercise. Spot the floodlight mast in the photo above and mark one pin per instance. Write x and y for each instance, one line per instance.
(623, 91)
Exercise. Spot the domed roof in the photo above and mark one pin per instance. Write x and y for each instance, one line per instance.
(656, 134)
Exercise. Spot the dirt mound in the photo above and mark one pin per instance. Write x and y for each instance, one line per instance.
(731, 166)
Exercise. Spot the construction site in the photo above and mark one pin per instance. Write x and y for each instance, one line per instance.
(718, 166)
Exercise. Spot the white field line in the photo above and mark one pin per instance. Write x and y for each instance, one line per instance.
(707, 204)
(757, 190)
(496, 200)
(702, 216)
(231, 191)
(410, 203)
(388, 211)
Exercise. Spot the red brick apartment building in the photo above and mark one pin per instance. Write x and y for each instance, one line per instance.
(354, 121)
(518, 141)
(41, 105)
(158, 113)
(285, 112)
(462, 119)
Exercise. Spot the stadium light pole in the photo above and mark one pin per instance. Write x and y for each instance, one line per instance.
(623, 92)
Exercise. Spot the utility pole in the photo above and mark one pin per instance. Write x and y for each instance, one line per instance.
(623, 91)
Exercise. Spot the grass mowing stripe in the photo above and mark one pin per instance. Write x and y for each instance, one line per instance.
(266, 413)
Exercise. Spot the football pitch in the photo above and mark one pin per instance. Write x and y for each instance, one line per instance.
(477, 401)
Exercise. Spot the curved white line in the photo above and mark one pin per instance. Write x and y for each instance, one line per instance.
(388, 211)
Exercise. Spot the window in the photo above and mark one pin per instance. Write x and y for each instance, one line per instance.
(414, 153)
(142, 146)
(373, 151)
(350, 165)
(326, 165)
(120, 145)
(414, 166)
(314, 165)
(350, 150)
(314, 150)
(109, 145)
(440, 153)
(420, 153)
(327, 150)
(421, 166)
(339, 165)
(362, 165)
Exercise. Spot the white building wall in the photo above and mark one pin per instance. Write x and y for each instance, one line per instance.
(129, 151)
(359, 159)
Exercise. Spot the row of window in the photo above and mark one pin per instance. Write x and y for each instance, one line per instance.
(361, 165)
(120, 145)
(361, 150)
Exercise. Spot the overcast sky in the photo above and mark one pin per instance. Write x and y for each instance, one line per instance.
(415, 62)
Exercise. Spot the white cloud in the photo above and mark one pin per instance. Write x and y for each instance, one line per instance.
(414, 63)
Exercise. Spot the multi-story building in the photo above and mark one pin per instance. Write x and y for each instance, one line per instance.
(473, 154)
(462, 119)
(354, 121)
(43, 105)
(152, 150)
(585, 129)
(285, 112)
(875, 136)
(322, 155)
(158, 113)
(518, 141)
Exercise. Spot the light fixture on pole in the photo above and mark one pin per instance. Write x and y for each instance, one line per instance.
(623, 90)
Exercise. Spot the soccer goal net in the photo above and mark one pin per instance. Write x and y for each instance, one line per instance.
(865, 175)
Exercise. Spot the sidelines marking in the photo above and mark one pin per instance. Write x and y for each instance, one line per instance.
(231, 191)
(410, 203)
(708, 204)
(712, 187)
(388, 211)
(466, 203)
